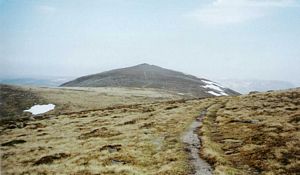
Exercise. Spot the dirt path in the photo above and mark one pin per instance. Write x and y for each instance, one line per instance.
(200, 166)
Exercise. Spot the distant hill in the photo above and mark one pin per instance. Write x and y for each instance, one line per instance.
(248, 85)
(151, 76)
(49, 82)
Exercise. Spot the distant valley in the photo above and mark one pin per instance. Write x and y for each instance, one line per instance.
(41, 81)
(245, 86)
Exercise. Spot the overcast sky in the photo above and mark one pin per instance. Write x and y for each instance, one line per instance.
(213, 39)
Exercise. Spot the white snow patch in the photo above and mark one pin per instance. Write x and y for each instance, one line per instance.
(40, 109)
(212, 86)
(214, 93)
(212, 83)
(218, 94)
(223, 93)
(207, 82)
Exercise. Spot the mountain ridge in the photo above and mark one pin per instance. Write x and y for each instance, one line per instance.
(152, 76)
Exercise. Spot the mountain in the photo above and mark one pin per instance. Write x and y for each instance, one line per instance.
(151, 76)
(247, 85)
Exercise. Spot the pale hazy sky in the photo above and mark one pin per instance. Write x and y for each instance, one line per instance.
(215, 39)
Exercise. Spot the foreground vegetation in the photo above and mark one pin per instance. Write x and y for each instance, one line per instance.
(14, 100)
(115, 139)
(138, 139)
(138, 131)
(254, 134)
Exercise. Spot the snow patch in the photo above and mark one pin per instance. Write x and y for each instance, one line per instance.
(212, 83)
(40, 109)
(214, 93)
(212, 86)
(218, 94)
(216, 87)
(223, 93)
(207, 82)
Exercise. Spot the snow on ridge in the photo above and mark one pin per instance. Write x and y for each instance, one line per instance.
(214, 86)
(207, 82)
(218, 94)
(212, 83)
(214, 93)
(40, 109)
(211, 86)
(223, 93)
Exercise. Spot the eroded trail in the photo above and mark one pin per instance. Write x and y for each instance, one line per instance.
(200, 166)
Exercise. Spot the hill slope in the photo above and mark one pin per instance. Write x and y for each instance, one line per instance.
(151, 76)
(244, 135)
(16, 99)
(116, 136)
(253, 134)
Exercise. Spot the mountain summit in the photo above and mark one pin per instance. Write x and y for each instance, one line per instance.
(151, 76)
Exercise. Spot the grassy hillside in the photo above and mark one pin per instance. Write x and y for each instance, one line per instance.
(98, 131)
(111, 131)
(135, 139)
(15, 99)
(254, 134)
(82, 98)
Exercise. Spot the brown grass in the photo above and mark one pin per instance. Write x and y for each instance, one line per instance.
(123, 132)
(82, 98)
(14, 100)
(120, 139)
(254, 134)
